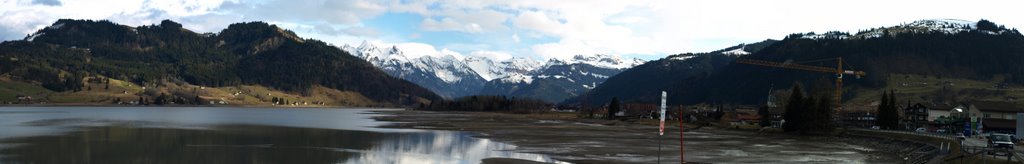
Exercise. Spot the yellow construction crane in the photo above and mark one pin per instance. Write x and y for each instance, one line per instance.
(838, 70)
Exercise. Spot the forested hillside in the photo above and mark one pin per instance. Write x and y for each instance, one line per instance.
(943, 53)
(60, 56)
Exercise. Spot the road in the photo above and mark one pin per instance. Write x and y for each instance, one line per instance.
(975, 141)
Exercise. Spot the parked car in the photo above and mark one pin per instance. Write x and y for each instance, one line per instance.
(876, 127)
(921, 130)
(961, 137)
(1000, 141)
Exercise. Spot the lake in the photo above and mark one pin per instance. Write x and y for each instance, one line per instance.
(229, 135)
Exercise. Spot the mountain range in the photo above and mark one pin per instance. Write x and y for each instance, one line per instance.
(259, 63)
(452, 75)
(938, 60)
(247, 63)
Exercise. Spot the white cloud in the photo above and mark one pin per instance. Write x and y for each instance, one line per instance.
(466, 20)
(47, 2)
(22, 17)
(564, 49)
(538, 21)
(361, 31)
(448, 52)
(544, 28)
(415, 50)
(494, 55)
(449, 24)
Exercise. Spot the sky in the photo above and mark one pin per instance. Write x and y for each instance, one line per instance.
(501, 29)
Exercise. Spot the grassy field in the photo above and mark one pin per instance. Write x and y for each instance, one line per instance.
(10, 89)
(104, 93)
(917, 88)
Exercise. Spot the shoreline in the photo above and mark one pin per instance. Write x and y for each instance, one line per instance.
(226, 105)
(566, 138)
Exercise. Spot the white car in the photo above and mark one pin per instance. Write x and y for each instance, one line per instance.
(921, 130)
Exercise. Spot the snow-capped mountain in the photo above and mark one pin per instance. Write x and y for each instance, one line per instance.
(453, 76)
(598, 60)
(445, 74)
(560, 79)
(489, 69)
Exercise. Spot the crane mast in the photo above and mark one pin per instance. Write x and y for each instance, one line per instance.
(839, 71)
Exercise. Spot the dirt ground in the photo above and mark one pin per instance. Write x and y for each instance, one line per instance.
(567, 138)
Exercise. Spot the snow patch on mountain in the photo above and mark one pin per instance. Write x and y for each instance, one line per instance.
(490, 70)
(34, 36)
(517, 79)
(682, 57)
(447, 76)
(599, 60)
(737, 51)
(56, 26)
(827, 35)
(946, 26)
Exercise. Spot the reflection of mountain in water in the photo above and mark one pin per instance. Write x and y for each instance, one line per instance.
(252, 144)
(439, 147)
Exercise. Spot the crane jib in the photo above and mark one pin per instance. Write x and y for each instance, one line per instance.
(838, 70)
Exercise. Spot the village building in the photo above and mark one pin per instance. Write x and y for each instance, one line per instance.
(639, 110)
(914, 116)
(995, 116)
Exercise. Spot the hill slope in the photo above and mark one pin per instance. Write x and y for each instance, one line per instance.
(644, 83)
(944, 49)
(62, 55)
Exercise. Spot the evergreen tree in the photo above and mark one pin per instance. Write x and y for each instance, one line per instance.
(825, 113)
(987, 25)
(613, 107)
(765, 116)
(894, 122)
(161, 100)
(794, 108)
(809, 116)
(882, 114)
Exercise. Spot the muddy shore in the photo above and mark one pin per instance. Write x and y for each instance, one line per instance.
(567, 138)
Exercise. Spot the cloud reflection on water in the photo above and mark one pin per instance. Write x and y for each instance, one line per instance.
(440, 147)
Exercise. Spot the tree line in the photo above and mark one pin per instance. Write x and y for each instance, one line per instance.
(887, 115)
(808, 114)
(488, 104)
